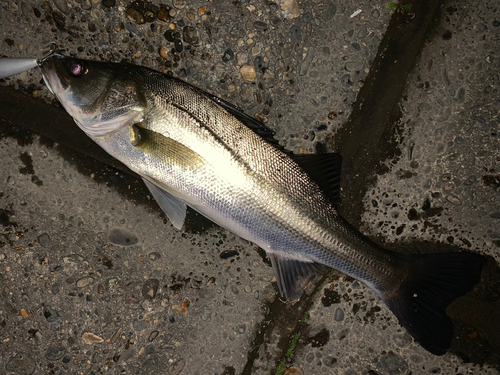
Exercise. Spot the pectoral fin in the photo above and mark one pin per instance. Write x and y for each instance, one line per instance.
(292, 275)
(172, 206)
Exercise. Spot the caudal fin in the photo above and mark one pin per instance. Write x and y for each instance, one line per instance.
(434, 281)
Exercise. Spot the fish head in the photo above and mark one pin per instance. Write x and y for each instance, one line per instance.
(101, 97)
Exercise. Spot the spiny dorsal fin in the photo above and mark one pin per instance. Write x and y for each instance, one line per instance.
(252, 123)
(325, 170)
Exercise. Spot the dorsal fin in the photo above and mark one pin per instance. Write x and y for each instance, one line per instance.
(325, 170)
(252, 123)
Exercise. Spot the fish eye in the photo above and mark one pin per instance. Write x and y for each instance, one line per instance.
(77, 69)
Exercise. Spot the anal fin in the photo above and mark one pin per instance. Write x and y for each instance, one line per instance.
(292, 274)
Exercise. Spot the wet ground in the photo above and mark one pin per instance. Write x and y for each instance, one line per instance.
(96, 280)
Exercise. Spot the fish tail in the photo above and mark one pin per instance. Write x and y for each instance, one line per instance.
(433, 282)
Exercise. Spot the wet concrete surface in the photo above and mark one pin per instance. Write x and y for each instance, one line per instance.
(96, 280)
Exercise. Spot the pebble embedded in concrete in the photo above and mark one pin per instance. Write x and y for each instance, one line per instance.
(248, 73)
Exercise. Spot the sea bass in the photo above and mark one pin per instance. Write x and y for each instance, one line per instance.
(194, 149)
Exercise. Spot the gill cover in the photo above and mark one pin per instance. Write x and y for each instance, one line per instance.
(101, 97)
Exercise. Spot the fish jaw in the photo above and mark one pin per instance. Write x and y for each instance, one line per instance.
(56, 84)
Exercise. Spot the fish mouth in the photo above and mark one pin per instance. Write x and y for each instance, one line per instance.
(54, 79)
(58, 83)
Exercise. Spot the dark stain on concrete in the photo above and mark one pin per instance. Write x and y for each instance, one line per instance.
(5, 218)
(28, 164)
(371, 315)
(369, 136)
(320, 339)
(28, 168)
(491, 180)
(330, 297)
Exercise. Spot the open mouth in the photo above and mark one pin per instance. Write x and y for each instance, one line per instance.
(55, 80)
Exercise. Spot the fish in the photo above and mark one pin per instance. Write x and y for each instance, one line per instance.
(194, 149)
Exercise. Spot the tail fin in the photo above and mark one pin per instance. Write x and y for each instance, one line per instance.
(434, 281)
